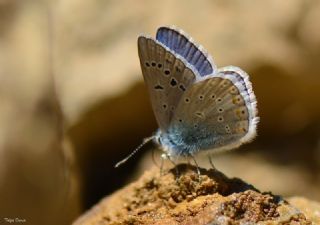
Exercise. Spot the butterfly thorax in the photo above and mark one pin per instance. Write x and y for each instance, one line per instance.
(186, 140)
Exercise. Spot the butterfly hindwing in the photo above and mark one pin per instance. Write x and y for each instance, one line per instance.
(167, 77)
(217, 112)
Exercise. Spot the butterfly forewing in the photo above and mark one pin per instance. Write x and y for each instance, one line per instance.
(167, 77)
(183, 45)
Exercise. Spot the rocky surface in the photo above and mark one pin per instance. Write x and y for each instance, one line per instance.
(310, 208)
(178, 197)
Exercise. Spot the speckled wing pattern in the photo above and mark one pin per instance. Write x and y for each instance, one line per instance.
(170, 64)
(167, 77)
(217, 113)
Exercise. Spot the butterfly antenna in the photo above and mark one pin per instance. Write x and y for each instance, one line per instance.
(145, 141)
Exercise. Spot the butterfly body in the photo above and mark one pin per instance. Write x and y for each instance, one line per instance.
(197, 106)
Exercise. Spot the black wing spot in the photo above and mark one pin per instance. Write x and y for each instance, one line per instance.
(178, 69)
(220, 119)
(220, 109)
(164, 106)
(227, 129)
(180, 120)
(201, 97)
(168, 61)
(182, 87)
(159, 65)
(167, 72)
(219, 99)
(158, 87)
(213, 96)
(173, 82)
(153, 64)
(187, 100)
(147, 64)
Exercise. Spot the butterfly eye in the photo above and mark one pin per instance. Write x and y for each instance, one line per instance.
(158, 140)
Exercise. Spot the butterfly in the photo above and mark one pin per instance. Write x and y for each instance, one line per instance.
(199, 108)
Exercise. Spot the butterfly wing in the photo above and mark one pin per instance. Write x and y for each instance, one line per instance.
(241, 80)
(183, 45)
(167, 76)
(216, 113)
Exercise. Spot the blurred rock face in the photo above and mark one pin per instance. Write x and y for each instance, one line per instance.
(33, 185)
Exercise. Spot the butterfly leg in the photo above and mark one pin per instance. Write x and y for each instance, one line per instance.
(211, 163)
(161, 167)
(198, 169)
(166, 156)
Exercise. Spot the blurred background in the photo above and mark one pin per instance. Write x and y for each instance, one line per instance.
(73, 102)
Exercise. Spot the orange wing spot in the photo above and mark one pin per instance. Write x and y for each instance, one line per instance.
(238, 113)
(233, 90)
(234, 100)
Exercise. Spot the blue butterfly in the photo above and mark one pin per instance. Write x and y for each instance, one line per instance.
(199, 108)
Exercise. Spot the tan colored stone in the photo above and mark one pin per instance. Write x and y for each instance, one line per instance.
(216, 199)
(311, 209)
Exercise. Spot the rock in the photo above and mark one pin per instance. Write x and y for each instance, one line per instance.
(178, 197)
(311, 209)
